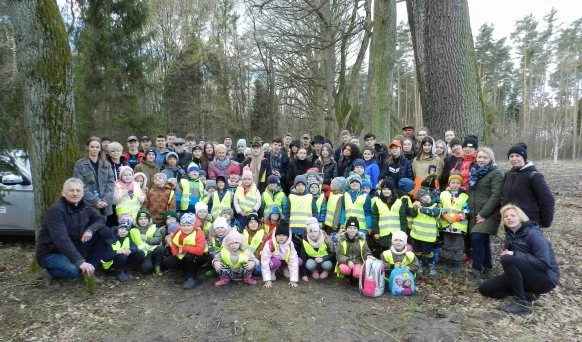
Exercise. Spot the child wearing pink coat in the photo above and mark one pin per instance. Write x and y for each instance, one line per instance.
(279, 252)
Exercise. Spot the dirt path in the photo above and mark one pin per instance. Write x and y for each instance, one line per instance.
(159, 310)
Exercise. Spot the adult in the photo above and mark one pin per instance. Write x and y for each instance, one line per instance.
(316, 145)
(528, 261)
(184, 157)
(326, 165)
(485, 182)
(259, 165)
(227, 141)
(408, 131)
(97, 177)
(105, 141)
(345, 165)
(396, 166)
(298, 166)
(133, 155)
(278, 160)
(408, 150)
(426, 162)
(287, 139)
(449, 135)
(241, 144)
(197, 158)
(345, 137)
(115, 158)
(293, 149)
(145, 143)
(421, 133)
(148, 166)
(70, 235)
(190, 142)
(526, 187)
(451, 161)
(208, 153)
(354, 140)
(161, 150)
(470, 146)
(379, 150)
(221, 163)
(170, 137)
(306, 143)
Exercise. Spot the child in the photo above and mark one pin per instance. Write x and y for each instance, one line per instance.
(172, 169)
(405, 190)
(454, 222)
(273, 197)
(388, 214)
(352, 250)
(247, 197)
(161, 198)
(201, 210)
(424, 229)
(318, 198)
(121, 251)
(142, 179)
(254, 238)
(357, 204)
(334, 207)
(127, 196)
(398, 255)
(360, 167)
(301, 206)
(279, 251)
(316, 250)
(148, 239)
(233, 177)
(312, 175)
(202, 176)
(220, 199)
(189, 190)
(210, 190)
(234, 261)
(218, 232)
(228, 214)
(187, 245)
(171, 220)
(367, 186)
(271, 221)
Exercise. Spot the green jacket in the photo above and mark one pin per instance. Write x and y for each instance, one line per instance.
(485, 200)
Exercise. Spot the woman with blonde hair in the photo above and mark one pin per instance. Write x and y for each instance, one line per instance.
(219, 166)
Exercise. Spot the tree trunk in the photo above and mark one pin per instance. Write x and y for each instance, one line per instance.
(44, 60)
(378, 112)
(446, 66)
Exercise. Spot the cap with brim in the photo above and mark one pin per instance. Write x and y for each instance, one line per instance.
(151, 150)
(395, 143)
(145, 138)
(306, 136)
(407, 126)
(132, 138)
(179, 141)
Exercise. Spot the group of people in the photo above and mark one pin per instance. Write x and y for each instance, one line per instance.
(301, 209)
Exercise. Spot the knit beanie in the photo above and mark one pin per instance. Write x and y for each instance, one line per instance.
(228, 211)
(233, 236)
(125, 221)
(272, 179)
(234, 169)
(143, 212)
(171, 154)
(352, 221)
(187, 218)
(193, 168)
(247, 173)
(200, 206)
(367, 183)
(471, 141)
(519, 148)
(354, 178)
(151, 150)
(294, 143)
(220, 222)
(312, 182)
(339, 183)
(210, 184)
(300, 179)
(455, 175)
(405, 185)
(241, 142)
(422, 192)
(202, 173)
(274, 210)
(387, 183)
(359, 162)
(123, 169)
(399, 235)
(312, 172)
(311, 225)
(170, 213)
(161, 175)
(456, 141)
(252, 217)
(282, 228)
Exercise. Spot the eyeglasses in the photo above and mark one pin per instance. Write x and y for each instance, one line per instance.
(178, 144)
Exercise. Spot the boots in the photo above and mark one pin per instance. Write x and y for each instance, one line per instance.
(516, 306)
(158, 270)
(248, 279)
(122, 276)
(456, 266)
(447, 265)
(222, 281)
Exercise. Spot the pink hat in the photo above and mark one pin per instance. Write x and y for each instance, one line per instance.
(234, 168)
(247, 173)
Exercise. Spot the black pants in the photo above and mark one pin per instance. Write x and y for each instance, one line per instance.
(154, 257)
(518, 277)
(190, 263)
(122, 261)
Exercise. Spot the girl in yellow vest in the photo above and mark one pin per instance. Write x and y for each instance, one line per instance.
(271, 221)
(221, 199)
(357, 204)
(234, 261)
(127, 195)
(319, 199)
(301, 207)
(424, 229)
(201, 210)
(218, 232)
(279, 252)
(189, 190)
(398, 255)
(247, 197)
(148, 239)
(455, 206)
(122, 251)
(334, 207)
(352, 250)
(388, 214)
(254, 238)
(316, 250)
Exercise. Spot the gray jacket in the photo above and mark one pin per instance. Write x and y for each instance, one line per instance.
(85, 172)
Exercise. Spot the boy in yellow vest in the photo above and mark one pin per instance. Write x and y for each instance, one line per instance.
(314, 188)
(273, 197)
(301, 207)
(357, 204)
(122, 251)
(398, 255)
(333, 208)
(234, 261)
(424, 229)
(455, 206)
(388, 214)
(148, 238)
(189, 190)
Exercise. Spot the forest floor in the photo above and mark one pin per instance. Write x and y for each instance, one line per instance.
(153, 309)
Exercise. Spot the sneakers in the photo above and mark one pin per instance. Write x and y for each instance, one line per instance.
(122, 276)
(516, 306)
(432, 272)
(48, 280)
(222, 281)
(158, 271)
(248, 279)
(189, 283)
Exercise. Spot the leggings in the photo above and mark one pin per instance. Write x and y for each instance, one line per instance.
(354, 272)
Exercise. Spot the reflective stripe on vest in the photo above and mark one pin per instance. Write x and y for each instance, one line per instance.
(185, 199)
(300, 210)
(332, 202)
(272, 202)
(454, 208)
(424, 227)
(389, 218)
(248, 201)
(243, 258)
(255, 241)
(218, 206)
(408, 258)
(356, 209)
(115, 247)
(344, 245)
(129, 205)
(320, 252)
(189, 240)
(319, 203)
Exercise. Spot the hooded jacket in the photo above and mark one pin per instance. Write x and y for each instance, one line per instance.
(267, 254)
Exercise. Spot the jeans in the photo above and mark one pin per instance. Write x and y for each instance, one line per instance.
(481, 245)
(59, 267)
(311, 265)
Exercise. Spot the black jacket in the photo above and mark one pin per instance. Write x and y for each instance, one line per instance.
(527, 188)
(329, 170)
(396, 169)
(63, 228)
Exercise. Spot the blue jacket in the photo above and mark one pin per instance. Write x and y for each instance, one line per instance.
(367, 208)
(373, 171)
(398, 169)
(529, 244)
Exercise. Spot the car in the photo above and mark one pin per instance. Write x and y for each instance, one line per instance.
(16, 195)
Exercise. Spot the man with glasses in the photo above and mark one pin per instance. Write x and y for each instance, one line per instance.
(184, 158)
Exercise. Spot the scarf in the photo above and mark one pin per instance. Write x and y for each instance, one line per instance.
(316, 243)
(395, 252)
(223, 165)
(476, 173)
(255, 166)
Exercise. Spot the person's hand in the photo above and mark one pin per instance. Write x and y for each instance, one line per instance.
(127, 252)
(417, 205)
(506, 252)
(268, 284)
(250, 265)
(86, 236)
(217, 266)
(376, 237)
(293, 284)
(318, 260)
(350, 264)
(87, 269)
(479, 219)
(276, 173)
(304, 278)
(119, 251)
(101, 204)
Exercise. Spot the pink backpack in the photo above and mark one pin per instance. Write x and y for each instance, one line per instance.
(372, 283)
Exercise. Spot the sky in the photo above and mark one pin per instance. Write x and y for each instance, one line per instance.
(504, 13)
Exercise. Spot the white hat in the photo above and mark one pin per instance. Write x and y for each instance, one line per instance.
(399, 235)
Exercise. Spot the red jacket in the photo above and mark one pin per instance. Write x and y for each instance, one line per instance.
(140, 155)
(464, 167)
(197, 249)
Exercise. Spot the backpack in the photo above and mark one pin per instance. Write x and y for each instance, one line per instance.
(371, 280)
(401, 282)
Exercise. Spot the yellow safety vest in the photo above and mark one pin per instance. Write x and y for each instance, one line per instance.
(424, 227)
(319, 203)
(454, 208)
(189, 240)
(185, 184)
(115, 247)
(243, 258)
(344, 245)
(255, 241)
(214, 245)
(356, 209)
(276, 249)
(248, 201)
(300, 210)
(332, 202)
(135, 235)
(389, 218)
(408, 258)
(320, 252)
(272, 202)
(206, 227)
(218, 206)
(129, 205)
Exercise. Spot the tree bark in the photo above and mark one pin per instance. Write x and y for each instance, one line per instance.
(446, 66)
(44, 60)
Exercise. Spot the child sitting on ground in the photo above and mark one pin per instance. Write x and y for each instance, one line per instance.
(122, 251)
(218, 232)
(254, 239)
(279, 252)
(234, 261)
(148, 239)
(228, 214)
(398, 255)
(317, 252)
(201, 210)
(352, 250)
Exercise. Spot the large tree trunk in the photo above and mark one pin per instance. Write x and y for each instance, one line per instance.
(446, 66)
(378, 111)
(44, 61)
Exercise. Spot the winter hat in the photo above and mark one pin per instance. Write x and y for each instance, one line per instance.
(274, 210)
(455, 175)
(311, 182)
(354, 178)
(193, 168)
(429, 182)
(220, 178)
(171, 154)
(312, 172)
(220, 222)
(359, 162)
(123, 169)
(227, 135)
(151, 150)
(519, 148)
(352, 221)
(247, 173)
(170, 213)
(367, 183)
(282, 229)
(202, 173)
(228, 211)
(339, 183)
(233, 236)
(295, 143)
(405, 185)
(247, 151)
(201, 206)
(162, 175)
(252, 217)
(143, 212)
(241, 142)
(272, 179)
(311, 225)
(422, 192)
(471, 141)
(187, 218)
(210, 184)
(388, 183)
(300, 179)
(234, 169)
(145, 178)
(399, 235)
(490, 153)
(125, 221)
(456, 141)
